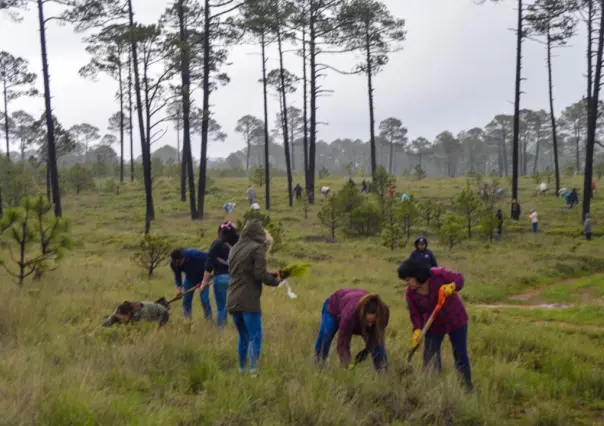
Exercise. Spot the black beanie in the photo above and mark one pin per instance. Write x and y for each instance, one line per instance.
(413, 269)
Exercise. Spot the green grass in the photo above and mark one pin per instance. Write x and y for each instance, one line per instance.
(537, 367)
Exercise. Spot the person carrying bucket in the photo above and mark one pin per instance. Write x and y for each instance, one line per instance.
(423, 287)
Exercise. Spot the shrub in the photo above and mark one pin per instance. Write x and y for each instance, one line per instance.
(452, 230)
(79, 178)
(329, 215)
(35, 222)
(323, 173)
(153, 251)
(393, 236)
(365, 221)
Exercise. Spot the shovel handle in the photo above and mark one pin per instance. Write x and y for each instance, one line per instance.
(441, 301)
(180, 296)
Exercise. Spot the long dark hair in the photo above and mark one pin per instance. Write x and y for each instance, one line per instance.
(227, 233)
(373, 304)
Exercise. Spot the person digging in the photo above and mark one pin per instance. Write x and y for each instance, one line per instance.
(424, 286)
(349, 312)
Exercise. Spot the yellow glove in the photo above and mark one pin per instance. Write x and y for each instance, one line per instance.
(448, 289)
(416, 334)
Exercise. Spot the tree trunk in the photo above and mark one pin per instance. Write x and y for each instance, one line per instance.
(288, 162)
(48, 184)
(310, 187)
(201, 187)
(267, 165)
(247, 154)
(592, 117)
(305, 109)
(145, 149)
(552, 114)
(537, 158)
(130, 121)
(370, 95)
(516, 135)
(51, 141)
(185, 74)
(6, 118)
(391, 155)
(122, 124)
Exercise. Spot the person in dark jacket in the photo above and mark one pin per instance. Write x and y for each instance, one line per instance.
(421, 252)
(218, 264)
(349, 312)
(424, 285)
(573, 199)
(247, 266)
(298, 192)
(364, 187)
(192, 263)
(499, 223)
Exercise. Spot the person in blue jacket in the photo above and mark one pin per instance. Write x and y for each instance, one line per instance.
(192, 263)
(217, 263)
(422, 254)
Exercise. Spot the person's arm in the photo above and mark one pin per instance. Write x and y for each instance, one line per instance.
(451, 277)
(414, 315)
(210, 262)
(260, 272)
(344, 338)
(433, 260)
(177, 276)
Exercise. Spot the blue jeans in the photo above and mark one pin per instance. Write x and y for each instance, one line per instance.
(187, 300)
(459, 341)
(535, 226)
(327, 331)
(221, 285)
(249, 326)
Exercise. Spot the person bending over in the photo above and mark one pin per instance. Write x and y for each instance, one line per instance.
(192, 263)
(349, 312)
(423, 286)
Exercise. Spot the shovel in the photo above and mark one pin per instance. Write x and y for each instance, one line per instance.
(439, 305)
(163, 301)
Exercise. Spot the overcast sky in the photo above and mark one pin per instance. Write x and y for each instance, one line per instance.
(456, 72)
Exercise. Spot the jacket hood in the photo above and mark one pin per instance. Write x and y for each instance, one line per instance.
(253, 231)
(419, 240)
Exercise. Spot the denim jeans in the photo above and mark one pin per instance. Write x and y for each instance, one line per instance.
(249, 326)
(535, 226)
(327, 331)
(459, 341)
(221, 285)
(187, 300)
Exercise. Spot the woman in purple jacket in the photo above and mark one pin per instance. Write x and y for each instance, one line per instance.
(423, 287)
(349, 312)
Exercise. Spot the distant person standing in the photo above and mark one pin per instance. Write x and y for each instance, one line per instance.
(422, 254)
(515, 210)
(534, 220)
(573, 199)
(251, 194)
(587, 227)
(298, 192)
(391, 191)
(499, 223)
(364, 188)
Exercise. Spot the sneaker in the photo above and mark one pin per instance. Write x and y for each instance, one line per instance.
(253, 372)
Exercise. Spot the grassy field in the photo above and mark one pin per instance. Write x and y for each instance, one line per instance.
(531, 366)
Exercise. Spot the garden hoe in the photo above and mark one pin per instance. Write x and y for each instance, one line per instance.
(439, 305)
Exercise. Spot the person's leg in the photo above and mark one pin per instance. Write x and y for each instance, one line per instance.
(244, 341)
(380, 359)
(187, 299)
(221, 285)
(432, 345)
(253, 325)
(459, 341)
(204, 297)
(327, 331)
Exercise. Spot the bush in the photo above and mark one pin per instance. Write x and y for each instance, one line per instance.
(323, 173)
(365, 221)
(79, 178)
(329, 216)
(452, 230)
(393, 236)
(153, 251)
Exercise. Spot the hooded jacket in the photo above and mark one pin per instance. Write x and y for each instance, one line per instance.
(347, 306)
(247, 267)
(423, 256)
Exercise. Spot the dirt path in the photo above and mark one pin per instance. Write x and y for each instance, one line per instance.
(527, 307)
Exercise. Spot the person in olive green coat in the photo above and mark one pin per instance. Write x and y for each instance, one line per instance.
(247, 266)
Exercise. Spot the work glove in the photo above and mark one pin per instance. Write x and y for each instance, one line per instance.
(448, 289)
(416, 333)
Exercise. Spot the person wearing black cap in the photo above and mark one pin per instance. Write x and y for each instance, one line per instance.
(422, 254)
(424, 285)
